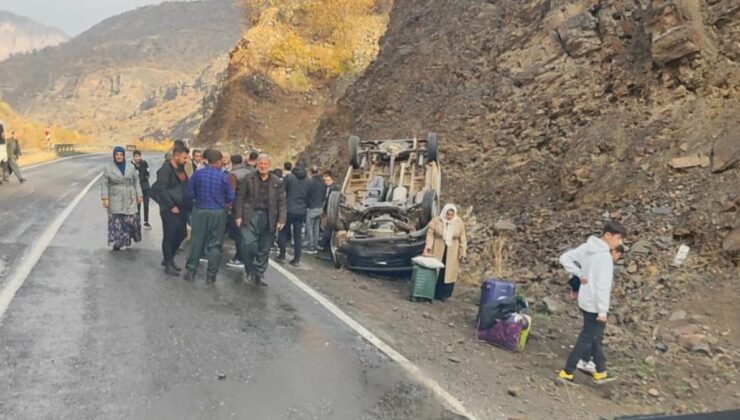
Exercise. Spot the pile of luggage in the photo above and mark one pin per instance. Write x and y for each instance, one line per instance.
(501, 316)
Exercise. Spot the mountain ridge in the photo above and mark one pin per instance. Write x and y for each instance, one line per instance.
(19, 35)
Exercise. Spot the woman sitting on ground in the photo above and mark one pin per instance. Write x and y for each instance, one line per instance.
(446, 241)
(121, 192)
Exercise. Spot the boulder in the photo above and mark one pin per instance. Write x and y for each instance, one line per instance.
(726, 152)
(731, 243)
(694, 342)
(677, 30)
(690, 161)
(578, 35)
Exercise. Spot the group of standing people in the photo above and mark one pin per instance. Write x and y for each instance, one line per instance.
(10, 152)
(215, 195)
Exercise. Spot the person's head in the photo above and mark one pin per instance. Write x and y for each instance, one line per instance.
(119, 154)
(314, 170)
(237, 160)
(180, 155)
(179, 143)
(252, 158)
(225, 160)
(14, 135)
(214, 158)
(449, 212)
(288, 166)
(263, 164)
(617, 253)
(613, 234)
(197, 156)
(137, 156)
(328, 178)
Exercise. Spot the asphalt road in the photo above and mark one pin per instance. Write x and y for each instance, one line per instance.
(99, 334)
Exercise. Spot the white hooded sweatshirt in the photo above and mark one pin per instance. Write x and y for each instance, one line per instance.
(593, 261)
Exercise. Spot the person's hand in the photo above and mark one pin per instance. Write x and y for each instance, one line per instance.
(139, 200)
(106, 203)
(428, 250)
(584, 280)
(175, 210)
(238, 222)
(280, 226)
(601, 318)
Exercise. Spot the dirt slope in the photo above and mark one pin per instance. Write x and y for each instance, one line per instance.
(555, 115)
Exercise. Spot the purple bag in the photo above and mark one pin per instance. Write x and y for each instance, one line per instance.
(508, 334)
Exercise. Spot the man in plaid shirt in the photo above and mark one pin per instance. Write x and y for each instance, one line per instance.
(213, 194)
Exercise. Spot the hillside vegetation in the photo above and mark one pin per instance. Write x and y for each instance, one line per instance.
(295, 60)
(33, 132)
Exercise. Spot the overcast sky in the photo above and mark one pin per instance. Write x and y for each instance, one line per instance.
(72, 16)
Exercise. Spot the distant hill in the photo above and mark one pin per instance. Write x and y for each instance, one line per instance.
(102, 81)
(20, 35)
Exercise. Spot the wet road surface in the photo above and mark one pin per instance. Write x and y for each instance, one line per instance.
(97, 334)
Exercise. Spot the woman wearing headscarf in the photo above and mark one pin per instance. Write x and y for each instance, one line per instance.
(121, 193)
(446, 241)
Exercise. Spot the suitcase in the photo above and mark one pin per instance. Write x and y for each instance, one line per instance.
(423, 283)
(509, 334)
(492, 289)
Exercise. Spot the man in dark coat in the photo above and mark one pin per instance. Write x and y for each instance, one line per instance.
(170, 192)
(297, 191)
(261, 211)
(14, 153)
(143, 168)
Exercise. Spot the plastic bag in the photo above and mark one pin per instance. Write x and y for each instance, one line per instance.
(427, 262)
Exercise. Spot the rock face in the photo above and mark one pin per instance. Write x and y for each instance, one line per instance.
(132, 75)
(579, 103)
(20, 35)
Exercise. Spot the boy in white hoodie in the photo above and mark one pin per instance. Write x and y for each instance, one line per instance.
(592, 263)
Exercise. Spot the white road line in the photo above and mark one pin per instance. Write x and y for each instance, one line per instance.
(414, 371)
(37, 250)
(60, 160)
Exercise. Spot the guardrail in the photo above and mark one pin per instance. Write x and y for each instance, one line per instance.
(88, 148)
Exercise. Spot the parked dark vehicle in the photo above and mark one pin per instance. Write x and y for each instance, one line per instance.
(389, 196)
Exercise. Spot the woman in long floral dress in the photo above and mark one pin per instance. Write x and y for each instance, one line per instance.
(121, 194)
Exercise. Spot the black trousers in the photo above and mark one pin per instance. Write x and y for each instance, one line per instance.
(589, 344)
(175, 231)
(146, 206)
(235, 233)
(294, 225)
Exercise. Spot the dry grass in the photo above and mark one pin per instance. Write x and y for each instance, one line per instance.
(31, 132)
(151, 145)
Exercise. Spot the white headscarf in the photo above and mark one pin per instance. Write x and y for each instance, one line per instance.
(447, 233)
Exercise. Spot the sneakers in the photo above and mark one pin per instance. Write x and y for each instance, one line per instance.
(601, 378)
(235, 264)
(147, 226)
(211, 279)
(310, 251)
(189, 276)
(170, 271)
(565, 376)
(294, 262)
(588, 367)
(259, 280)
(281, 256)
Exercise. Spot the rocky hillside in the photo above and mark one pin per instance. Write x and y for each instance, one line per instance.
(289, 68)
(555, 115)
(20, 35)
(132, 75)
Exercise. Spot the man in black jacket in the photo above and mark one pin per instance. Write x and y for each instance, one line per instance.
(170, 192)
(315, 205)
(260, 212)
(297, 190)
(143, 168)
